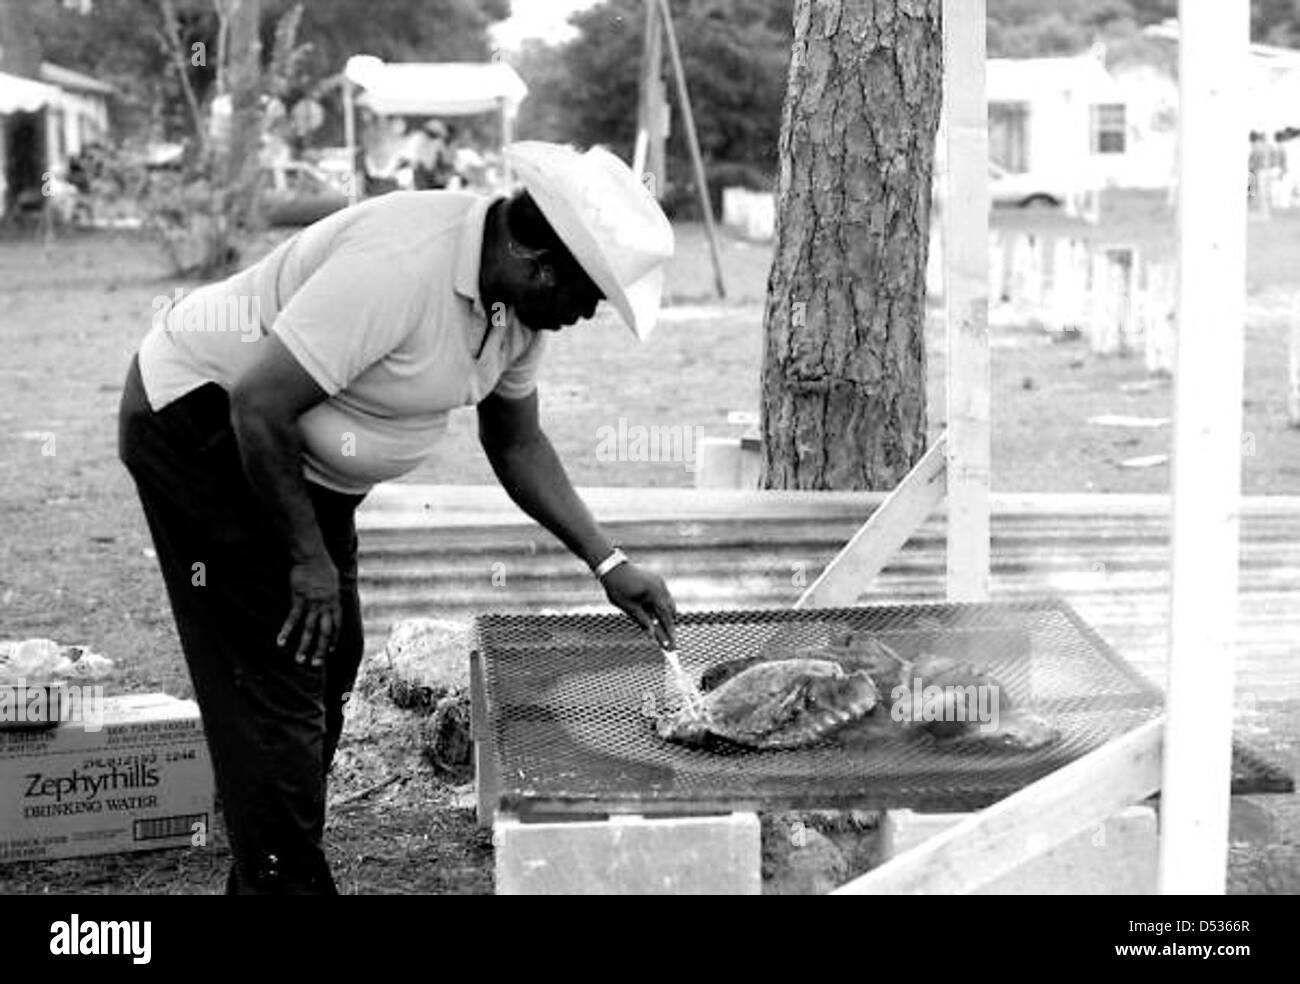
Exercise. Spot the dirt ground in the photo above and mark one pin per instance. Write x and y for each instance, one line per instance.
(395, 828)
(75, 563)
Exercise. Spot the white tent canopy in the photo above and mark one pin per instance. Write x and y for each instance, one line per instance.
(436, 88)
(20, 95)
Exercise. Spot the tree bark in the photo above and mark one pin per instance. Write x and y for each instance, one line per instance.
(242, 62)
(844, 368)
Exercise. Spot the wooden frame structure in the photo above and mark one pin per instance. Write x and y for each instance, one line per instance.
(1186, 758)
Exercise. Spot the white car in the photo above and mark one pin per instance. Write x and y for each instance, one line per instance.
(1026, 190)
(294, 193)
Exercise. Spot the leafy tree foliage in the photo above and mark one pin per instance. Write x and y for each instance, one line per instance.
(119, 41)
(1032, 28)
(735, 54)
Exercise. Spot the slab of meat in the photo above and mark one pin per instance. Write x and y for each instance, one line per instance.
(861, 654)
(786, 703)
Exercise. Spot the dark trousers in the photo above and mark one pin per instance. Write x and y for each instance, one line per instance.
(272, 725)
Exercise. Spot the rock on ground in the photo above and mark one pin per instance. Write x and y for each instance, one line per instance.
(424, 669)
(445, 738)
(815, 852)
(425, 660)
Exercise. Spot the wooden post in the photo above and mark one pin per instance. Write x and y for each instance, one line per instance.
(651, 124)
(1206, 456)
(243, 83)
(851, 571)
(1161, 309)
(1127, 264)
(988, 844)
(684, 98)
(1293, 387)
(966, 298)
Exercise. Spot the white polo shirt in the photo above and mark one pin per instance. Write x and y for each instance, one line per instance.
(380, 304)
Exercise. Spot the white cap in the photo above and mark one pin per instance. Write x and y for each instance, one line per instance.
(606, 218)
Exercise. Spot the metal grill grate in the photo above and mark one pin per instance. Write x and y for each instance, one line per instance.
(560, 710)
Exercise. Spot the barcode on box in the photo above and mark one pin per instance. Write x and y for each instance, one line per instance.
(161, 828)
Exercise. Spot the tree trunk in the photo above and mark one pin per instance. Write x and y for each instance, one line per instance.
(173, 48)
(243, 62)
(844, 364)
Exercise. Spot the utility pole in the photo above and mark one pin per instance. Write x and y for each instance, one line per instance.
(653, 125)
(693, 143)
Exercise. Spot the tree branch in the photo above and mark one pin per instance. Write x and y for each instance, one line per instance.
(173, 47)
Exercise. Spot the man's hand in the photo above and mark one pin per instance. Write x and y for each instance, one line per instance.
(265, 404)
(646, 599)
(530, 471)
(316, 609)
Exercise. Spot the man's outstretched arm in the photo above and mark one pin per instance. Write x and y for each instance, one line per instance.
(531, 472)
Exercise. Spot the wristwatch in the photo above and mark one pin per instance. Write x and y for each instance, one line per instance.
(609, 563)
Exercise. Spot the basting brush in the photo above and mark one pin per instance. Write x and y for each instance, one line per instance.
(682, 681)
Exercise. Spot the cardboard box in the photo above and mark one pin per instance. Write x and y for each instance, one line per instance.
(142, 781)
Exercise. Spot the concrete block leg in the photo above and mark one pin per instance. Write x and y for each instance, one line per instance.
(629, 855)
(718, 463)
(1117, 857)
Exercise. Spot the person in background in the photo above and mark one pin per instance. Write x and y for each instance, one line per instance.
(1280, 178)
(428, 156)
(467, 161)
(382, 141)
(1257, 164)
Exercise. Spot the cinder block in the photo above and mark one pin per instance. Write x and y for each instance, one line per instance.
(1117, 857)
(760, 222)
(718, 463)
(902, 830)
(485, 785)
(751, 465)
(734, 206)
(629, 855)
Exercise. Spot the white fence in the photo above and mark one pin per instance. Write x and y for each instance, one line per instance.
(752, 214)
(1063, 281)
